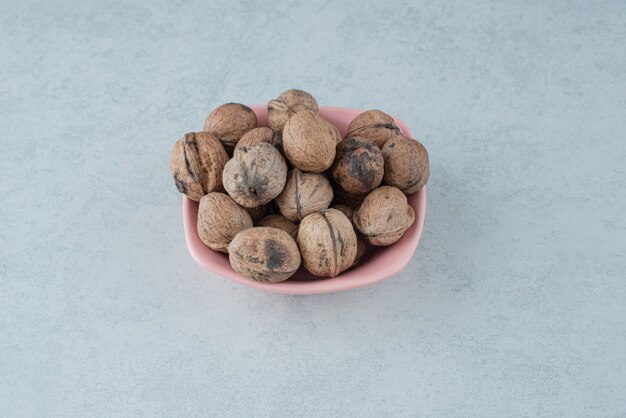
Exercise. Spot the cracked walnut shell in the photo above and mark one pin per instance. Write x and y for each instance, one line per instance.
(264, 254)
(220, 218)
(327, 243)
(383, 216)
(197, 163)
(303, 194)
(255, 175)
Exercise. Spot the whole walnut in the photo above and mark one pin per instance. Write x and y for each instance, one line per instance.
(309, 141)
(406, 164)
(220, 218)
(303, 194)
(255, 175)
(383, 216)
(197, 163)
(375, 125)
(261, 135)
(264, 254)
(327, 243)
(230, 122)
(359, 165)
(257, 213)
(361, 244)
(284, 106)
(280, 222)
(340, 196)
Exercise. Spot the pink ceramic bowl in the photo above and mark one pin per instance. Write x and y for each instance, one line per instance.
(379, 264)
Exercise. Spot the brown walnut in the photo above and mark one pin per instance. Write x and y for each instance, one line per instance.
(361, 244)
(303, 194)
(255, 175)
(340, 196)
(309, 141)
(220, 218)
(280, 222)
(327, 243)
(375, 125)
(284, 106)
(197, 163)
(264, 254)
(406, 164)
(383, 216)
(230, 122)
(358, 166)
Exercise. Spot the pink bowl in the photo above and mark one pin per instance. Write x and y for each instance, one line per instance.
(379, 264)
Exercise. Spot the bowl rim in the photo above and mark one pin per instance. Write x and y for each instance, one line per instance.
(311, 287)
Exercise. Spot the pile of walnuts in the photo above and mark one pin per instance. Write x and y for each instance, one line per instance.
(296, 192)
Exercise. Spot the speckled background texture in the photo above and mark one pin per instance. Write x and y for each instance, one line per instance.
(513, 305)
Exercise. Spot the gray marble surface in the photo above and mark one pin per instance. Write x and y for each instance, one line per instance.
(513, 305)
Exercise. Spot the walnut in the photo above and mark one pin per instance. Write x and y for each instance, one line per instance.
(264, 254)
(255, 175)
(383, 216)
(361, 244)
(230, 122)
(280, 222)
(304, 193)
(374, 125)
(358, 166)
(406, 164)
(327, 243)
(284, 106)
(197, 163)
(309, 141)
(261, 135)
(220, 218)
(257, 213)
(335, 132)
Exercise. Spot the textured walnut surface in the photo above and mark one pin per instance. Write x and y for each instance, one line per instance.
(303, 194)
(358, 166)
(264, 254)
(280, 222)
(255, 175)
(375, 125)
(383, 216)
(220, 218)
(406, 164)
(327, 243)
(197, 162)
(309, 141)
(286, 104)
(229, 122)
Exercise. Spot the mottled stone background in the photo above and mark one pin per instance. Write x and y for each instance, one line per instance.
(514, 304)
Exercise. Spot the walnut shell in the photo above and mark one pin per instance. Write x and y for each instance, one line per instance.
(230, 122)
(304, 193)
(327, 243)
(220, 218)
(257, 213)
(375, 125)
(361, 244)
(309, 141)
(335, 132)
(261, 135)
(359, 165)
(383, 216)
(197, 163)
(406, 164)
(255, 175)
(264, 254)
(284, 106)
(280, 222)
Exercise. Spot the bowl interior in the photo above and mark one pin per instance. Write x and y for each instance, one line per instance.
(378, 264)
